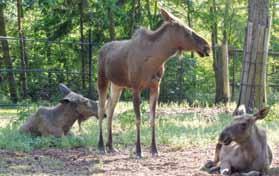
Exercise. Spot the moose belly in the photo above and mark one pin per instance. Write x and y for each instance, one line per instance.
(118, 75)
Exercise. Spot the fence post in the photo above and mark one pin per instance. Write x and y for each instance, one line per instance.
(90, 69)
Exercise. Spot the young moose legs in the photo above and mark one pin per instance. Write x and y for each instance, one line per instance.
(115, 93)
(154, 94)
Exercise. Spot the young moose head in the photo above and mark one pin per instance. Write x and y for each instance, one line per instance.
(184, 37)
(83, 106)
(241, 128)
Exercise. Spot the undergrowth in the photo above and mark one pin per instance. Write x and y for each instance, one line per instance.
(183, 129)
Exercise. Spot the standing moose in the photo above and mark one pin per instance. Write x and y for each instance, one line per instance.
(138, 64)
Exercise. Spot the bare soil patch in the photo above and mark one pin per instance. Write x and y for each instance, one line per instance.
(81, 161)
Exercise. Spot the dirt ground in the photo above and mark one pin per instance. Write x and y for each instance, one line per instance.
(82, 161)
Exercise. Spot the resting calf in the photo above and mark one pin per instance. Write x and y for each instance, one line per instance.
(58, 120)
(242, 149)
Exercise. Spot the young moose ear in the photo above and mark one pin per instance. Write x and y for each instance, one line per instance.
(64, 101)
(166, 15)
(262, 113)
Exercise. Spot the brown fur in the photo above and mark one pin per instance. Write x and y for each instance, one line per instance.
(242, 148)
(58, 120)
(138, 63)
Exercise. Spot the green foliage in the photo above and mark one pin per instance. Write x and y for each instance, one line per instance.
(190, 79)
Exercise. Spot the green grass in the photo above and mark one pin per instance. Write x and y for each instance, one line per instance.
(178, 130)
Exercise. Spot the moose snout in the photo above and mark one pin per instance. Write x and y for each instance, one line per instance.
(225, 138)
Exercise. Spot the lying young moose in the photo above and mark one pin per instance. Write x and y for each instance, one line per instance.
(58, 120)
(242, 149)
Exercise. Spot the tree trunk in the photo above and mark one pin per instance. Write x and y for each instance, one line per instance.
(253, 83)
(136, 13)
(23, 58)
(111, 23)
(222, 74)
(221, 58)
(7, 60)
(149, 14)
(82, 45)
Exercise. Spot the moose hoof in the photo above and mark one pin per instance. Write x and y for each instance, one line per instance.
(154, 153)
(214, 170)
(209, 164)
(102, 150)
(153, 150)
(225, 172)
(112, 150)
(138, 156)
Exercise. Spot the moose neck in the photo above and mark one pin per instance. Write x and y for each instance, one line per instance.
(163, 44)
(250, 144)
(67, 109)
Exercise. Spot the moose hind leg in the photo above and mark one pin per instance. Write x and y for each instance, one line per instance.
(136, 102)
(102, 92)
(209, 164)
(251, 173)
(115, 93)
(154, 93)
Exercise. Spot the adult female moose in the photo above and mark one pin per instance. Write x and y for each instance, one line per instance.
(138, 64)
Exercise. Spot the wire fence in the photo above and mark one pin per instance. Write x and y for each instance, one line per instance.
(74, 63)
(236, 60)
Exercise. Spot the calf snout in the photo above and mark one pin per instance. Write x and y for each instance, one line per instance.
(225, 138)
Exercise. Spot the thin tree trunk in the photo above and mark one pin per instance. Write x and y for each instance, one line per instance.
(23, 59)
(190, 11)
(149, 14)
(136, 15)
(214, 34)
(82, 45)
(133, 17)
(111, 23)
(253, 83)
(189, 17)
(7, 59)
(221, 58)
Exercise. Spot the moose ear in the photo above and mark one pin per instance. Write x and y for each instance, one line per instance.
(70, 98)
(240, 110)
(166, 15)
(64, 89)
(64, 101)
(262, 113)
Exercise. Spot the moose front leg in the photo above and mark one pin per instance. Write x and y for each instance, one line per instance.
(115, 93)
(154, 93)
(136, 102)
(225, 168)
(209, 164)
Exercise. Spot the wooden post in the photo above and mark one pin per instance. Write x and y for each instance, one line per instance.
(225, 70)
(253, 83)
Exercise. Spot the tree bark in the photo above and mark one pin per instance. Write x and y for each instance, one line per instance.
(23, 58)
(221, 59)
(111, 23)
(7, 59)
(253, 83)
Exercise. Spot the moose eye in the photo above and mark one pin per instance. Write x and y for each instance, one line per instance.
(243, 126)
